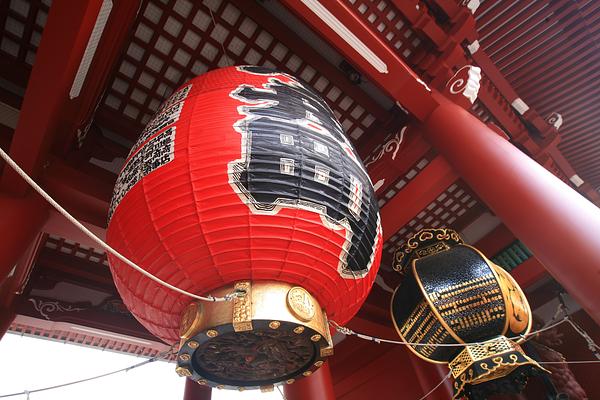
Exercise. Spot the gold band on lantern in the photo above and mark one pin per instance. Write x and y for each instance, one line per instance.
(263, 300)
(518, 317)
(277, 311)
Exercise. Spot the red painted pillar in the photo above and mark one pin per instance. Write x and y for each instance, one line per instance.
(20, 220)
(560, 226)
(194, 391)
(446, 388)
(429, 376)
(318, 386)
(7, 314)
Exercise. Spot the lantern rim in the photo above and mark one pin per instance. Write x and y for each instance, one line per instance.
(272, 314)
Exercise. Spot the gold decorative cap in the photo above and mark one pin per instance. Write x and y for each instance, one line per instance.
(275, 333)
(488, 361)
(422, 244)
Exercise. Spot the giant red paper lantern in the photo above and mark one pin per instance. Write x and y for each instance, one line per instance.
(244, 178)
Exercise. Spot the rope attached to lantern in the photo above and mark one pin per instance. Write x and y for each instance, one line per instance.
(340, 329)
(157, 357)
(104, 245)
(126, 369)
(426, 395)
(562, 308)
(349, 332)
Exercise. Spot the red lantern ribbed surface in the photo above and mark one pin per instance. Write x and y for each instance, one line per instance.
(244, 174)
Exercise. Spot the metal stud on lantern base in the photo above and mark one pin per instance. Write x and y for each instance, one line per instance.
(276, 332)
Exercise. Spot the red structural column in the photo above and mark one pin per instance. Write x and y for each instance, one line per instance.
(429, 376)
(20, 220)
(560, 226)
(7, 312)
(194, 391)
(51, 113)
(318, 386)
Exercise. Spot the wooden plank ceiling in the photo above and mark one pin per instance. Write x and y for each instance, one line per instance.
(550, 52)
(547, 49)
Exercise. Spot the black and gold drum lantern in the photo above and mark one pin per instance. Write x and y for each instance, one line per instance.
(452, 294)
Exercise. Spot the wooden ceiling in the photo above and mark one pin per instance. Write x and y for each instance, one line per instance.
(549, 52)
(546, 51)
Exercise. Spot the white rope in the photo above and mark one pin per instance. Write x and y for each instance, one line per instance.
(592, 346)
(212, 16)
(348, 331)
(570, 362)
(162, 355)
(280, 392)
(101, 243)
(126, 369)
(436, 386)
(421, 398)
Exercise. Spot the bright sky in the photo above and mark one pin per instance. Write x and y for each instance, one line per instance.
(29, 363)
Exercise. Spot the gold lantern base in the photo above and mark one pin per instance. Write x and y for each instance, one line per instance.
(275, 333)
(490, 360)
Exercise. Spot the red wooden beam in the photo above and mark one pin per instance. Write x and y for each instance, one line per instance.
(304, 51)
(372, 367)
(7, 312)
(581, 137)
(561, 82)
(428, 375)
(546, 47)
(20, 220)
(553, 220)
(69, 267)
(578, 110)
(500, 108)
(529, 272)
(578, 92)
(80, 111)
(416, 12)
(540, 62)
(452, 8)
(495, 241)
(85, 194)
(416, 195)
(523, 34)
(486, 13)
(58, 225)
(489, 32)
(48, 109)
(63, 43)
(393, 159)
(361, 368)
(349, 354)
(194, 391)
(333, 20)
(494, 75)
(318, 386)
(16, 283)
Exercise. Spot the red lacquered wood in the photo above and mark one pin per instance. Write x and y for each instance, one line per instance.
(48, 115)
(194, 391)
(20, 220)
(7, 313)
(554, 221)
(318, 386)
